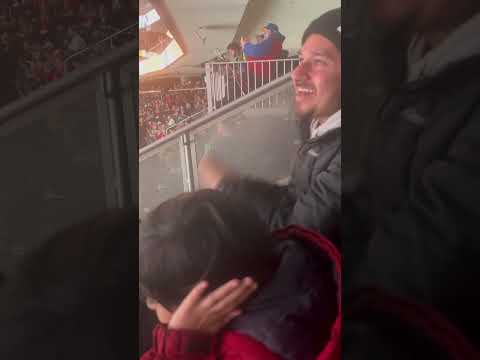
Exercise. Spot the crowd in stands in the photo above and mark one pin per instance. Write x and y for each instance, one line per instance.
(162, 109)
(37, 36)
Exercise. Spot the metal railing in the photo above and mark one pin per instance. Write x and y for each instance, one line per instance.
(109, 40)
(251, 99)
(228, 81)
(67, 82)
(185, 121)
(169, 165)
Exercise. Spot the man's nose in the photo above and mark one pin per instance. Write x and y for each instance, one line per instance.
(301, 71)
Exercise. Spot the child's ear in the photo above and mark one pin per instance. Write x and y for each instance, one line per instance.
(151, 304)
(163, 315)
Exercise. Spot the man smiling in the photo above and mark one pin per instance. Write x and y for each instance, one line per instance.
(312, 198)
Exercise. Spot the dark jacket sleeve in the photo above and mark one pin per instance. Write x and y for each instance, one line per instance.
(169, 344)
(316, 209)
(428, 248)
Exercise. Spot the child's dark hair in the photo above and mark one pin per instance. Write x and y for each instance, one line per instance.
(205, 235)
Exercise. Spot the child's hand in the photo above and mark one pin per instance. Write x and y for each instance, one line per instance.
(211, 172)
(209, 314)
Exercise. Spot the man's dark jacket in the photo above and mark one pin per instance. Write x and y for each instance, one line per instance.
(313, 197)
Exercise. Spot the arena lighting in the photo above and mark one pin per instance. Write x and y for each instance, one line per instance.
(159, 62)
(148, 19)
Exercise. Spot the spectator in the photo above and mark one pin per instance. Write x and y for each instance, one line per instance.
(313, 197)
(234, 52)
(210, 237)
(236, 73)
(269, 49)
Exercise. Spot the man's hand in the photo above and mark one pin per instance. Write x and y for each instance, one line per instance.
(211, 172)
(209, 314)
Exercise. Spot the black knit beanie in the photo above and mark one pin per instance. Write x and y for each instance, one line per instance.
(329, 26)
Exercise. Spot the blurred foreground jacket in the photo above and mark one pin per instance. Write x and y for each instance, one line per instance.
(423, 192)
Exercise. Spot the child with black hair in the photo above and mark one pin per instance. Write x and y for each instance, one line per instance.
(206, 239)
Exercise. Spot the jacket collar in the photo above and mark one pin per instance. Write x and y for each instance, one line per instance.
(333, 122)
(458, 46)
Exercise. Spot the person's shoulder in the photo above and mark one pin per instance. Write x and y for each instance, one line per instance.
(278, 36)
(463, 74)
(237, 346)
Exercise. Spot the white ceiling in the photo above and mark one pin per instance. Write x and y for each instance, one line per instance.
(228, 19)
(190, 15)
(291, 16)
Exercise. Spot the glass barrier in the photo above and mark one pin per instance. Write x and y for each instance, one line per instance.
(54, 145)
(258, 138)
(58, 160)
(161, 175)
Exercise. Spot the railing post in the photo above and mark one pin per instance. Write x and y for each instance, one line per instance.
(115, 124)
(194, 156)
(241, 80)
(208, 82)
(269, 70)
(255, 81)
(221, 83)
(234, 83)
(189, 180)
(248, 78)
(227, 85)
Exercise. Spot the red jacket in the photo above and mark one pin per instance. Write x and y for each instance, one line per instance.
(171, 344)
(269, 49)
